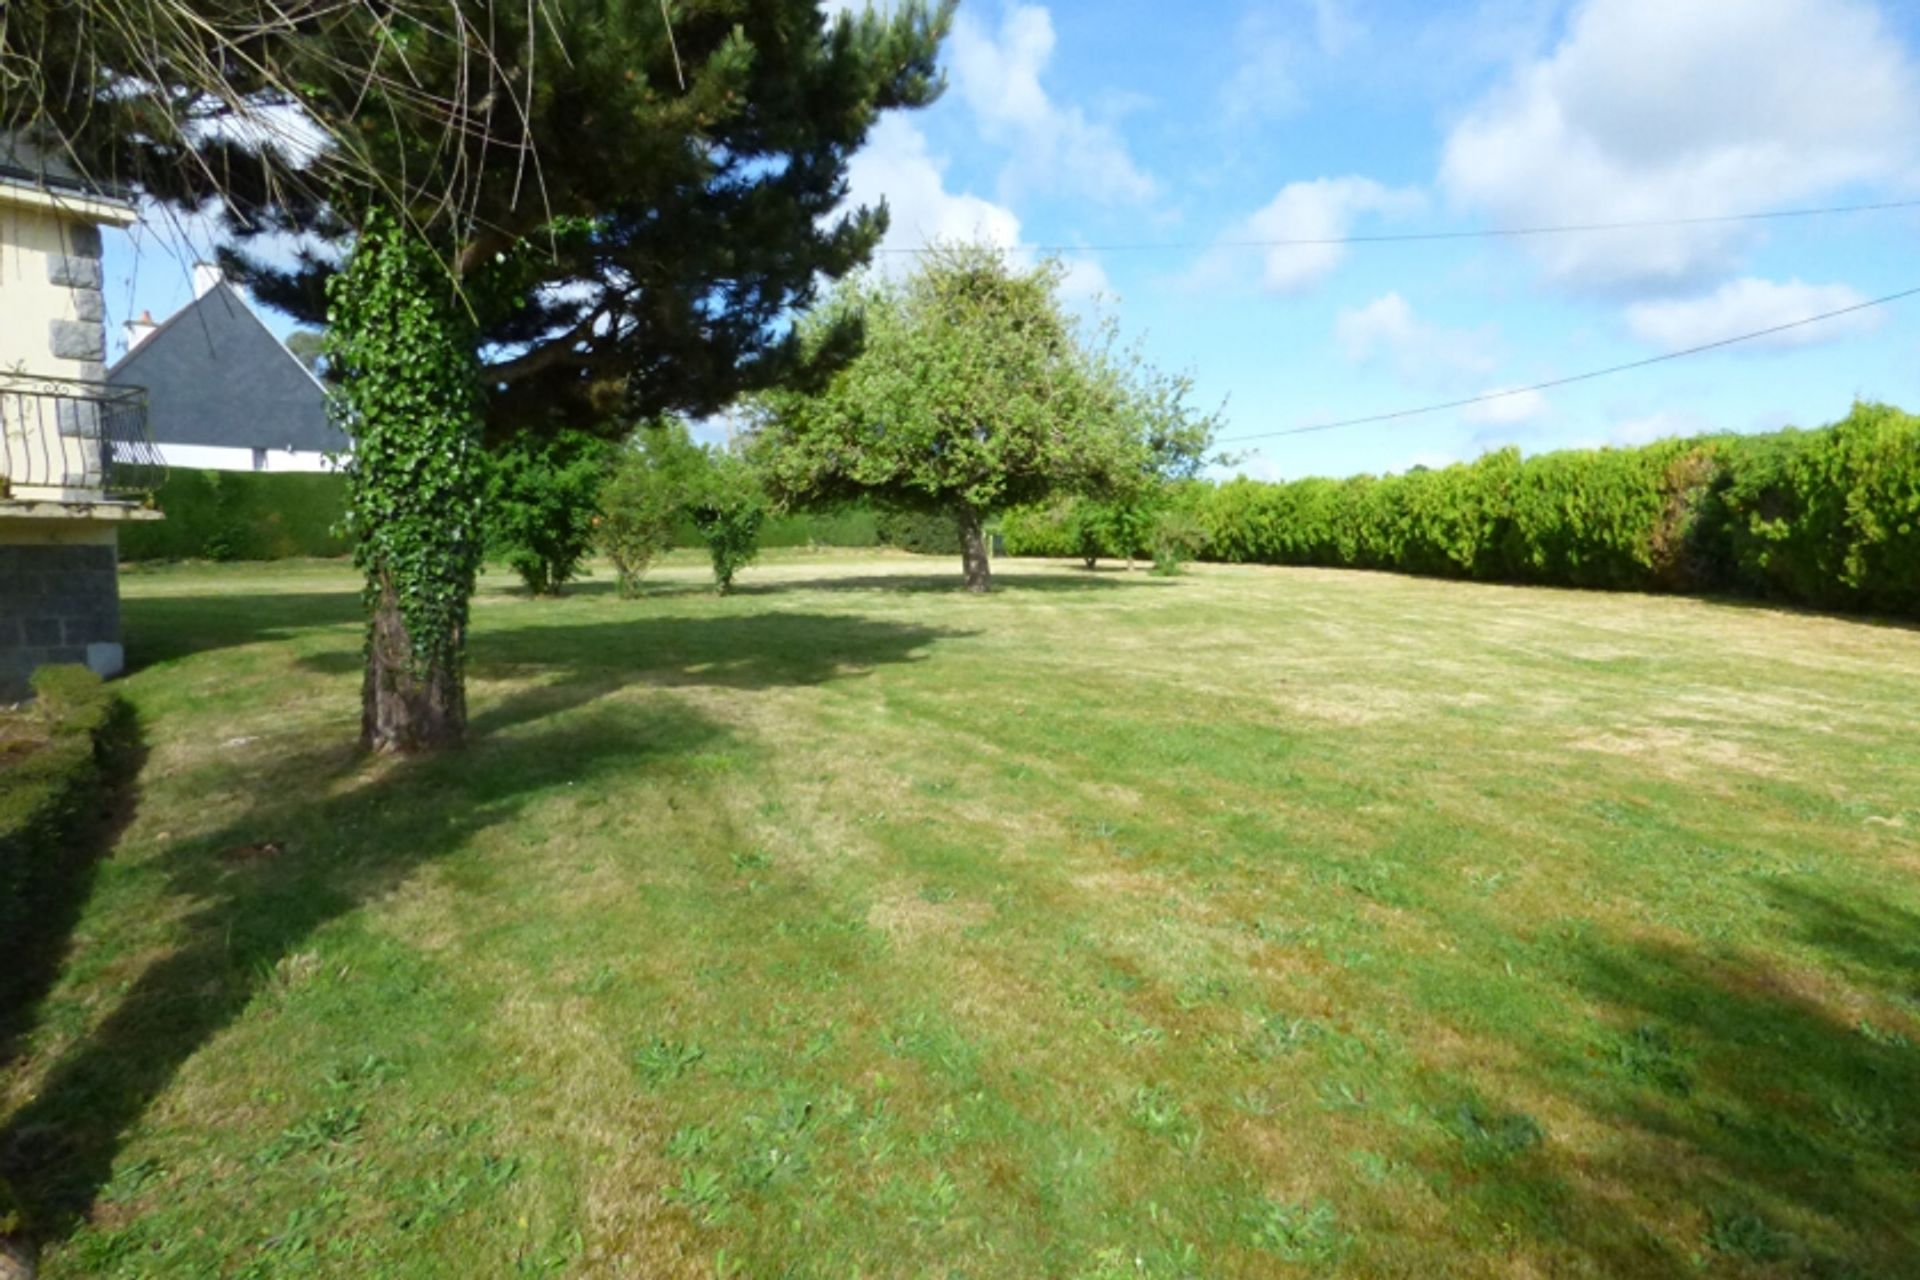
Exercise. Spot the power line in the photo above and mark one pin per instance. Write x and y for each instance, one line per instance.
(1490, 233)
(1578, 377)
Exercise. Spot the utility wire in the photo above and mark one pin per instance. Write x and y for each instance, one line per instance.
(1490, 233)
(1578, 377)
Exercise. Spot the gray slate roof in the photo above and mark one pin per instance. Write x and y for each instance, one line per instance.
(215, 375)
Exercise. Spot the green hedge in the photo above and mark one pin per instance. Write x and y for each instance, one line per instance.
(1829, 517)
(926, 533)
(50, 781)
(241, 515)
(849, 526)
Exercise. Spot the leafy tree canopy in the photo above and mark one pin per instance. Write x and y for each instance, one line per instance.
(633, 196)
(975, 392)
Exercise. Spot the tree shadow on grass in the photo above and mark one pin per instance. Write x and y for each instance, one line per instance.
(733, 650)
(328, 834)
(329, 831)
(743, 651)
(162, 629)
(1012, 584)
(1747, 1103)
(31, 956)
(1785, 609)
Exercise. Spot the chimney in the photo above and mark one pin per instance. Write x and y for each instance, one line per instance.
(138, 331)
(205, 276)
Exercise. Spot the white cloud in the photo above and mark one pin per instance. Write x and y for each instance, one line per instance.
(1271, 43)
(1322, 209)
(1386, 331)
(1085, 282)
(1653, 109)
(1053, 146)
(1744, 305)
(1508, 410)
(897, 166)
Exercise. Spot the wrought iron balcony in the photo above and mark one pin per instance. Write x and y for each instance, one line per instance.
(65, 440)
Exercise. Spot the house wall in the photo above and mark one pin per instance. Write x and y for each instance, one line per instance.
(54, 320)
(52, 324)
(206, 457)
(59, 598)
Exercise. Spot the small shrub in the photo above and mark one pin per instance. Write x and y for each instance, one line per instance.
(541, 503)
(1178, 537)
(728, 511)
(638, 503)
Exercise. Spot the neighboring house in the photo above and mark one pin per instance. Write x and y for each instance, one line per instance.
(222, 392)
(74, 458)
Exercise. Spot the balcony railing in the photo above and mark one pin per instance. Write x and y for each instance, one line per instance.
(65, 440)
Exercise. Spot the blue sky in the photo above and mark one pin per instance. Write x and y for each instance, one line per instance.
(1188, 127)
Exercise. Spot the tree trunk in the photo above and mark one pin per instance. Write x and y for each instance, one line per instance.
(403, 711)
(973, 552)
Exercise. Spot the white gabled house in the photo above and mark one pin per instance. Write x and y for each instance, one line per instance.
(222, 392)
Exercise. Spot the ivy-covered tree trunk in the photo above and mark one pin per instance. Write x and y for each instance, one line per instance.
(406, 707)
(409, 398)
(973, 550)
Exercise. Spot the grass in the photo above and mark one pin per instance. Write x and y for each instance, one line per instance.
(1255, 922)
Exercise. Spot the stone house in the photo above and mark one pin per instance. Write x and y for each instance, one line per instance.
(75, 461)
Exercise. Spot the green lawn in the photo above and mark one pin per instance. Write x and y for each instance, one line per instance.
(1259, 922)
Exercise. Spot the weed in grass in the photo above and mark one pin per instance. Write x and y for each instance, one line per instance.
(702, 1192)
(1490, 1137)
(370, 1071)
(689, 1141)
(1744, 1233)
(663, 1061)
(1134, 1031)
(1153, 1109)
(1882, 1037)
(602, 980)
(1376, 1168)
(1279, 1035)
(1872, 1124)
(1647, 1054)
(1342, 1095)
(1198, 991)
(1284, 933)
(1304, 1233)
(128, 1182)
(327, 1127)
(751, 859)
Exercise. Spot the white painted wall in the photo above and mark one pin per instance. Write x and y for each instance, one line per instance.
(29, 235)
(207, 457)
